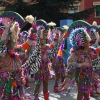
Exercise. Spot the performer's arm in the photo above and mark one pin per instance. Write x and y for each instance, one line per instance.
(26, 45)
(73, 63)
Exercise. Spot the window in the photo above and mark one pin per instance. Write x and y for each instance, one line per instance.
(97, 12)
(73, 10)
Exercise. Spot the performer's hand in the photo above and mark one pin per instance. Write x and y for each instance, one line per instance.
(6, 22)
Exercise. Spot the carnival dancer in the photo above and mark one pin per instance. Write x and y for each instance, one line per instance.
(43, 74)
(58, 60)
(93, 33)
(80, 60)
(22, 38)
(11, 79)
(8, 67)
(15, 31)
(46, 54)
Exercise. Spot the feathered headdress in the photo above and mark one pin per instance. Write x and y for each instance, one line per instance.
(29, 19)
(51, 30)
(41, 24)
(78, 33)
(42, 27)
(14, 15)
(93, 32)
(65, 27)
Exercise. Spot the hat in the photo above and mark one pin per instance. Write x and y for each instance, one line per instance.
(77, 24)
(77, 33)
(41, 24)
(93, 31)
(14, 15)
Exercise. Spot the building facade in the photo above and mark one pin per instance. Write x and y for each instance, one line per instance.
(86, 4)
(82, 5)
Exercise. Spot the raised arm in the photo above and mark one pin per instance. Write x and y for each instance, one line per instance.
(31, 37)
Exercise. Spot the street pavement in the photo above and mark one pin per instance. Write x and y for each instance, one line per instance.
(58, 96)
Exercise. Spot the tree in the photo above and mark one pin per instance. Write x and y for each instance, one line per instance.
(49, 10)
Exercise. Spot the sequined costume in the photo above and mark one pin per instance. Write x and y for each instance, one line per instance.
(43, 74)
(80, 61)
(83, 76)
(58, 64)
(12, 79)
(93, 32)
(10, 82)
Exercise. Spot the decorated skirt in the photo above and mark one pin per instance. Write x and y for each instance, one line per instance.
(58, 66)
(84, 78)
(43, 72)
(11, 80)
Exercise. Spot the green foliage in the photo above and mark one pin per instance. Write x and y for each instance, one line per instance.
(49, 10)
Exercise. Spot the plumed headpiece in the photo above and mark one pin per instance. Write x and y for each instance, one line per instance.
(51, 31)
(78, 33)
(79, 37)
(93, 32)
(94, 23)
(51, 25)
(29, 19)
(65, 27)
(77, 24)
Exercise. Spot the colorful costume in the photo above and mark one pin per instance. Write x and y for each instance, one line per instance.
(47, 55)
(12, 79)
(10, 82)
(40, 57)
(80, 60)
(93, 32)
(58, 61)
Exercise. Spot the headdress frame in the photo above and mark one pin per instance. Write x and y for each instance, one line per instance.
(15, 15)
(77, 24)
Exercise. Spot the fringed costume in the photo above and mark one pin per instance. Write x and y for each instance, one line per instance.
(80, 61)
(12, 79)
